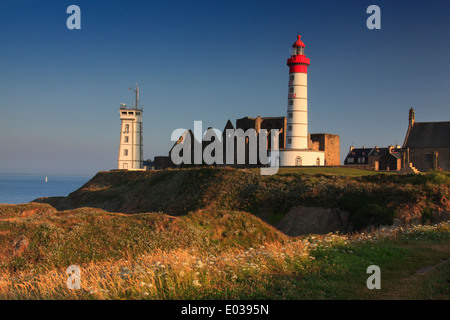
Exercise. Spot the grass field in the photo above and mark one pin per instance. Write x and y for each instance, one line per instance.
(202, 256)
(338, 171)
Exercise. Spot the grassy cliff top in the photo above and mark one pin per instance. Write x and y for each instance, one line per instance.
(177, 192)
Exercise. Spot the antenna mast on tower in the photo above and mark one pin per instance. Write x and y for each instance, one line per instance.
(136, 91)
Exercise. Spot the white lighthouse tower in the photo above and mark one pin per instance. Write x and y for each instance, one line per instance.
(130, 148)
(296, 152)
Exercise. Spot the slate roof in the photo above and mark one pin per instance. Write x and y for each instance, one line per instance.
(358, 153)
(379, 151)
(429, 135)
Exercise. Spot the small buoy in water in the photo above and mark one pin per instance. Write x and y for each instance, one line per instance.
(46, 180)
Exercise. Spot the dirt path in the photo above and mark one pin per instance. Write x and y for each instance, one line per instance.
(408, 287)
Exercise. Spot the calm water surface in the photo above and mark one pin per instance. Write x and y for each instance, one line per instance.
(22, 188)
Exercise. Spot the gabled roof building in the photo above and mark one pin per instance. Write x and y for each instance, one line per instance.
(427, 145)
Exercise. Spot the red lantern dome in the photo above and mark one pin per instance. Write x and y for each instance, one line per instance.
(298, 43)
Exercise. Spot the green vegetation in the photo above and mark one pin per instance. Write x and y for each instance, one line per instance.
(335, 171)
(57, 239)
(371, 198)
(196, 234)
(211, 255)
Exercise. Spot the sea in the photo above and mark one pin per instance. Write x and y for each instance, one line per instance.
(23, 188)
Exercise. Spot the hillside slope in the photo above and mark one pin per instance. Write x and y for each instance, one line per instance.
(37, 236)
(375, 199)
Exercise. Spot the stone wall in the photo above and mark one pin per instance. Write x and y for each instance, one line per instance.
(330, 143)
(426, 159)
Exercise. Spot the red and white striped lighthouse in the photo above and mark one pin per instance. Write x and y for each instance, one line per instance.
(297, 110)
(296, 152)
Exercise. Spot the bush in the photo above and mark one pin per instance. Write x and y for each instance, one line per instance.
(366, 209)
(427, 215)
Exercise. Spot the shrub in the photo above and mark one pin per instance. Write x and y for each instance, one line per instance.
(366, 209)
(427, 215)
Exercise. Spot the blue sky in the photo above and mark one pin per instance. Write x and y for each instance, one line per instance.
(60, 89)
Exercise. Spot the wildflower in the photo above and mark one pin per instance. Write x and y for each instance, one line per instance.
(125, 273)
(145, 293)
(195, 283)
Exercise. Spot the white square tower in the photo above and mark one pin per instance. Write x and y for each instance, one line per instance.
(130, 147)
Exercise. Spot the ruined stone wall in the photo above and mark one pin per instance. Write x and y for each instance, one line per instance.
(330, 143)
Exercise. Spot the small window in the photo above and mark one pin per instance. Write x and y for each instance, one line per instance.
(289, 141)
(130, 112)
(291, 89)
(138, 113)
(127, 128)
(125, 152)
(291, 78)
(290, 115)
(350, 160)
(361, 160)
(291, 102)
(124, 112)
(125, 139)
(289, 128)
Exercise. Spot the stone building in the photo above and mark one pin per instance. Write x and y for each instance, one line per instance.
(327, 143)
(267, 123)
(427, 145)
(358, 156)
(385, 159)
